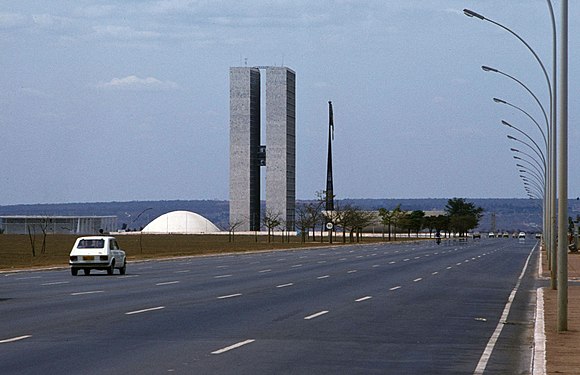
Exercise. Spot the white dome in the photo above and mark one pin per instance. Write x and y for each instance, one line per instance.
(180, 222)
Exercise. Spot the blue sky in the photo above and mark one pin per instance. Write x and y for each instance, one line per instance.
(128, 100)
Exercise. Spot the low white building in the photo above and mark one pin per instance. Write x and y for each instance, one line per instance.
(180, 222)
(23, 224)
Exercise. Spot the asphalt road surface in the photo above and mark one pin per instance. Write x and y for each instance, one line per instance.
(417, 308)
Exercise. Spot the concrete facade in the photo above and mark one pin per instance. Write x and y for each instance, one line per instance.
(246, 153)
(281, 144)
(244, 145)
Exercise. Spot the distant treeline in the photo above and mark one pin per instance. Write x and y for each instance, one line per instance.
(509, 214)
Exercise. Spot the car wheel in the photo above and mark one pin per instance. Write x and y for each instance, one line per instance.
(74, 271)
(123, 269)
(87, 271)
(111, 269)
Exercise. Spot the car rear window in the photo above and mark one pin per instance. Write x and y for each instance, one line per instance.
(91, 244)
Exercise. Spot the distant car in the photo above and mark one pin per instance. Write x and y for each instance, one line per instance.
(491, 235)
(476, 235)
(506, 235)
(97, 253)
(522, 235)
(538, 235)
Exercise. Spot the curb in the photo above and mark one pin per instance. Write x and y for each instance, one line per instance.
(539, 353)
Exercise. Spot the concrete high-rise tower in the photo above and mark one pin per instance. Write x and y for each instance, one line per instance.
(247, 154)
(244, 147)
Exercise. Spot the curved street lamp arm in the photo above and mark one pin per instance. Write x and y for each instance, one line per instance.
(529, 156)
(540, 172)
(542, 155)
(497, 100)
(471, 13)
(489, 69)
(527, 145)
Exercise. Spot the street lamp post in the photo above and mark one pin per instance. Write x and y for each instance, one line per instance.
(563, 176)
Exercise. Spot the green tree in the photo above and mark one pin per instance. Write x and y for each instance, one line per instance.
(416, 221)
(388, 218)
(463, 215)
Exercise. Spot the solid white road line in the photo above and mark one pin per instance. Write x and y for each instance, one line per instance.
(315, 315)
(235, 346)
(167, 283)
(13, 339)
(363, 299)
(230, 296)
(482, 364)
(145, 310)
(83, 293)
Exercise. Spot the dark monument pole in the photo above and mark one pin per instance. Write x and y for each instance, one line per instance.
(329, 187)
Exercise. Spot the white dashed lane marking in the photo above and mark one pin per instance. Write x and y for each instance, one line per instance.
(167, 283)
(309, 317)
(234, 346)
(145, 310)
(14, 339)
(89, 292)
(230, 296)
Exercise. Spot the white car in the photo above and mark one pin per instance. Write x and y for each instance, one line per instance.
(522, 235)
(97, 253)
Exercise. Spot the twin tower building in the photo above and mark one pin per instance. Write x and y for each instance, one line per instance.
(247, 153)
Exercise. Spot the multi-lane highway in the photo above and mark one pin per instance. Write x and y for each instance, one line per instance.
(414, 308)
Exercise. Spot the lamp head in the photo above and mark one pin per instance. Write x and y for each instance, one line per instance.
(501, 101)
(512, 137)
(489, 69)
(504, 122)
(470, 13)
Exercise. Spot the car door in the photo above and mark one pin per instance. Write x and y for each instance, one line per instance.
(116, 252)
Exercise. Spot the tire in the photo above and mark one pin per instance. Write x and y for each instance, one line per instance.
(123, 269)
(87, 271)
(111, 269)
(74, 271)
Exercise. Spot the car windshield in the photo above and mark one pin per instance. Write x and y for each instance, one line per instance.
(91, 244)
